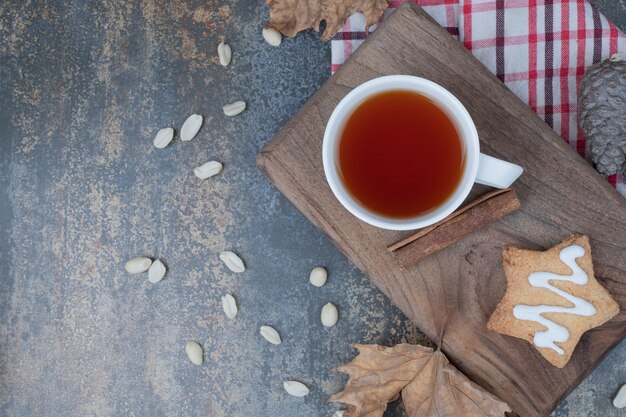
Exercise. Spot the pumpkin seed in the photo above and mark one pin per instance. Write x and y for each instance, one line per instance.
(318, 276)
(138, 265)
(190, 127)
(163, 137)
(233, 109)
(271, 335)
(295, 388)
(156, 272)
(272, 36)
(230, 306)
(232, 261)
(194, 352)
(330, 315)
(224, 53)
(207, 170)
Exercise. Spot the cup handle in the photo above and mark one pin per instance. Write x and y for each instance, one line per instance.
(496, 172)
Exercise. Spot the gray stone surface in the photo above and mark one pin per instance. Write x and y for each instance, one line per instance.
(84, 87)
(615, 10)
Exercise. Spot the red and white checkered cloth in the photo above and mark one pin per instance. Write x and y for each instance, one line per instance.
(538, 48)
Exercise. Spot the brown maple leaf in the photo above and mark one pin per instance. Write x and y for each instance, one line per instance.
(430, 385)
(293, 16)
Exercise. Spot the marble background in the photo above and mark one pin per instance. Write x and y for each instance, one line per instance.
(84, 87)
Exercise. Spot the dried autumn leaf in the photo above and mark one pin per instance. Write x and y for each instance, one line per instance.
(430, 385)
(293, 16)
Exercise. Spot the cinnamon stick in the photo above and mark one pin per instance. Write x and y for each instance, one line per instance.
(480, 212)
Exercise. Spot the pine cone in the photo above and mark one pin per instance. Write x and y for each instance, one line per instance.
(602, 114)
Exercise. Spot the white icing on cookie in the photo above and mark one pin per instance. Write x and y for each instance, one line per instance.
(555, 332)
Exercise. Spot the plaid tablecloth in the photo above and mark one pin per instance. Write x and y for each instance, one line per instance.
(538, 48)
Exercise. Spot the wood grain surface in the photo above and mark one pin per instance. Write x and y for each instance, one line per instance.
(460, 286)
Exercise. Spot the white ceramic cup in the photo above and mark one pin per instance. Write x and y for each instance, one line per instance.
(478, 168)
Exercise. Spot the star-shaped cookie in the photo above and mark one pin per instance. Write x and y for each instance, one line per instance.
(552, 298)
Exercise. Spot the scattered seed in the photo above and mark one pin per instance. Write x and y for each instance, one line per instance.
(138, 265)
(295, 388)
(233, 109)
(163, 137)
(271, 335)
(207, 170)
(194, 352)
(232, 261)
(224, 53)
(329, 315)
(190, 127)
(230, 306)
(318, 276)
(156, 272)
(620, 399)
(272, 36)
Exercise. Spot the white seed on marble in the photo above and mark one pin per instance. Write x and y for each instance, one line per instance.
(620, 399)
(191, 127)
(156, 272)
(230, 306)
(232, 261)
(208, 169)
(339, 413)
(318, 276)
(233, 109)
(271, 335)
(330, 315)
(163, 137)
(272, 36)
(194, 352)
(224, 53)
(295, 388)
(138, 265)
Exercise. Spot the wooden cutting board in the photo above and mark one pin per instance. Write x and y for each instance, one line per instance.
(560, 195)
